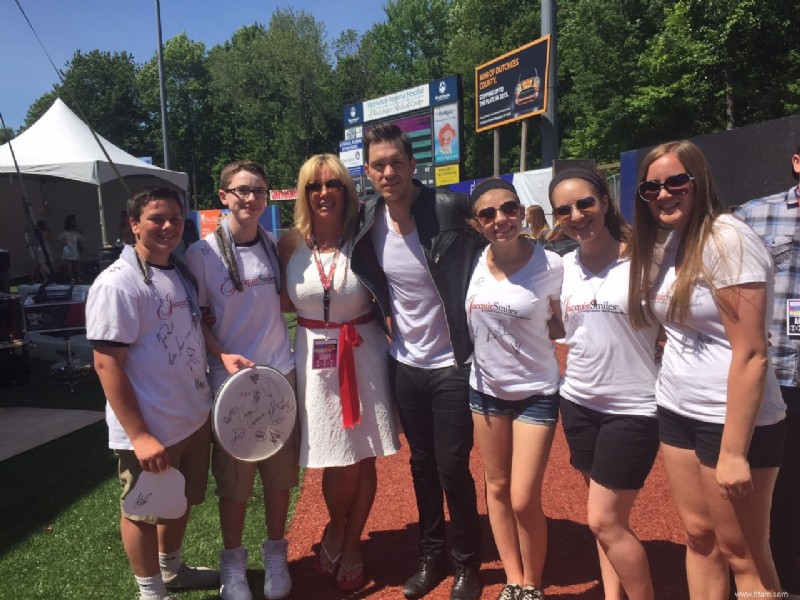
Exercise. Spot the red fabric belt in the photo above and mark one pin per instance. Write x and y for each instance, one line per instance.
(348, 386)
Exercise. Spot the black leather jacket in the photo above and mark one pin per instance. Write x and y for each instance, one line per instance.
(449, 245)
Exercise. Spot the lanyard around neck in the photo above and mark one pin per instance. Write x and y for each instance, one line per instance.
(326, 281)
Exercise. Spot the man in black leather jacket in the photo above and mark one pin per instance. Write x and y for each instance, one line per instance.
(414, 251)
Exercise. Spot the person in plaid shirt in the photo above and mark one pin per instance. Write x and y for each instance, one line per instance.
(776, 219)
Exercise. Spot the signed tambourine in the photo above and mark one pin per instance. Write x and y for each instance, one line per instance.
(254, 413)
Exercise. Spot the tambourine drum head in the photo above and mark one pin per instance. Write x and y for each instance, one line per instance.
(254, 413)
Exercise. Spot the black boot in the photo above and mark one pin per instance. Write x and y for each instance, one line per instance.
(431, 572)
(466, 584)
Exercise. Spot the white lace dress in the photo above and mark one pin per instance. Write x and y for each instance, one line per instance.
(325, 442)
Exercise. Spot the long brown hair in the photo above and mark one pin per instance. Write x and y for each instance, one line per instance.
(537, 222)
(648, 238)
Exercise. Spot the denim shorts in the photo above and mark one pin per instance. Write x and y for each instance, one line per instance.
(534, 410)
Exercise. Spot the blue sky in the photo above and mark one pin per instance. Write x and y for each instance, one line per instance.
(65, 26)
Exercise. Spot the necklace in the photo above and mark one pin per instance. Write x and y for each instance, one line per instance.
(595, 290)
(599, 273)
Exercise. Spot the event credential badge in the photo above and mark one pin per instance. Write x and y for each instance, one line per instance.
(324, 354)
(793, 318)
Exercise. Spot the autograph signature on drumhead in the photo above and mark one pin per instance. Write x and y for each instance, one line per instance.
(260, 416)
(142, 499)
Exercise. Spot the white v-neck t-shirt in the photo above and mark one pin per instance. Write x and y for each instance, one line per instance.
(610, 365)
(514, 357)
(421, 335)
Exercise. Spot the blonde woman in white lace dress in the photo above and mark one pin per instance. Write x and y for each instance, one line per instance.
(346, 413)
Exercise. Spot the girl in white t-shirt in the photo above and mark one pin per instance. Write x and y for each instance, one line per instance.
(72, 240)
(513, 312)
(709, 280)
(608, 403)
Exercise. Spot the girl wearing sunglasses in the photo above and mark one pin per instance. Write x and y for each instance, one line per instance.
(709, 281)
(512, 310)
(608, 394)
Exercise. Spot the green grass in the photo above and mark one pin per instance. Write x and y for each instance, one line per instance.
(59, 503)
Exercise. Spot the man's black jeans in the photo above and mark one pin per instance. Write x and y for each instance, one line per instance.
(433, 405)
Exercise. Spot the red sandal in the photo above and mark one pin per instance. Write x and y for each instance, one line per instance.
(349, 582)
(333, 561)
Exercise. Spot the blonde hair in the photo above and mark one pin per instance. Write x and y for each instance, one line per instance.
(648, 239)
(302, 207)
(537, 222)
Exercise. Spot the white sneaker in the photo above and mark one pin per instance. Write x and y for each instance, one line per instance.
(277, 581)
(233, 575)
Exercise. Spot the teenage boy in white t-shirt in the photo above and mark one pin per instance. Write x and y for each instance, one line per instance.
(143, 319)
(238, 275)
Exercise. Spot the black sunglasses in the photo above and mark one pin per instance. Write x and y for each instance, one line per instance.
(676, 185)
(565, 210)
(488, 214)
(331, 184)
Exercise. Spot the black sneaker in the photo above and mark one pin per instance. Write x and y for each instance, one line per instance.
(510, 592)
(466, 584)
(530, 593)
(431, 573)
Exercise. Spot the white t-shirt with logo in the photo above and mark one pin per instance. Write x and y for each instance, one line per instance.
(249, 322)
(421, 336)
(693, 380)
(610, 366)
(514, 357)
(166, 353)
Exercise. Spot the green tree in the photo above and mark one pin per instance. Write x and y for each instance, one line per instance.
(241, 96)
(272, 91)
(409, 47)
(478, 34)
(352, 78)
(717, 64)
(6, 134)
(307, 121)
(192, 130)
(598, 46)
(100, 88)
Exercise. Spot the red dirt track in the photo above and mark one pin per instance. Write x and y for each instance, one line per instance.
(571, 572)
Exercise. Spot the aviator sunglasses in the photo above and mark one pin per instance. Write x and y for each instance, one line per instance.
(676, 185)
(565, 210)
(331, 184)
(488, 214)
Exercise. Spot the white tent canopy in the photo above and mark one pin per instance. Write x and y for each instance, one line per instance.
(59, 146)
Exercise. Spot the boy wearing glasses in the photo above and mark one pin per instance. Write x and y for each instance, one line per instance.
(776, 219)
(238, 275)
(425, 249)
